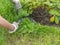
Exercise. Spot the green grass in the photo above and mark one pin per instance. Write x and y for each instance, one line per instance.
(29, 33)
(34, 35)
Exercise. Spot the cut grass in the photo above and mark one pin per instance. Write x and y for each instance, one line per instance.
(36, 35)
(29, 33)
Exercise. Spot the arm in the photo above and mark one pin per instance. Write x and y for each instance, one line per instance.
(6, 24)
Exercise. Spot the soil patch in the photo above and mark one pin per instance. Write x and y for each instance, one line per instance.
(42, 16)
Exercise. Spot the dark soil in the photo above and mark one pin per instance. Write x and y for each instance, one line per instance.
(42, 16)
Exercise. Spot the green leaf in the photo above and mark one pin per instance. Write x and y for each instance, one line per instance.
(52, 19)
(56, 20)
(54, 12)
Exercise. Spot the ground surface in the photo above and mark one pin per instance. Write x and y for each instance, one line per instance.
(39, 35)
(42, 16)
(29, 33)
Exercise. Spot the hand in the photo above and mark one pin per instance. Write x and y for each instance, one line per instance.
(15, 24)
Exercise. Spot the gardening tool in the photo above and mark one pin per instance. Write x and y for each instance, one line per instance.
(18, 7)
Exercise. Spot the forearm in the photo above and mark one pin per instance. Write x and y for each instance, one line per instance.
(6, 24)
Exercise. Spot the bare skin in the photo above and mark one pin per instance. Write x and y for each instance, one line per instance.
(6, 24)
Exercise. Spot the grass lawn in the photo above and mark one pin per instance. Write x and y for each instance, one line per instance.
(29, 33)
